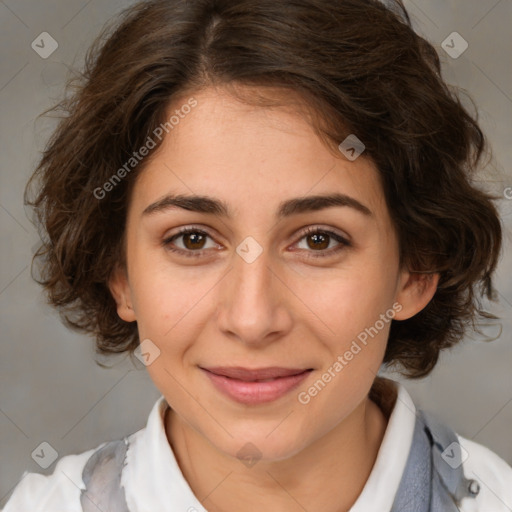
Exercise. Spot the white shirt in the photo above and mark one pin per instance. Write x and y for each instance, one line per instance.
(153, 481)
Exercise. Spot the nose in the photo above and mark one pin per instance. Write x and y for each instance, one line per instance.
(252, 306)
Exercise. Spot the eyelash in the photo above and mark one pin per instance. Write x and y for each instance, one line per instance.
(309, 231)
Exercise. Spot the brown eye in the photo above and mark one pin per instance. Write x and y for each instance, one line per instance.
(193, 242)
(318, 242)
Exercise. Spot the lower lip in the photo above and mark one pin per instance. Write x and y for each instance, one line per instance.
(256, 392)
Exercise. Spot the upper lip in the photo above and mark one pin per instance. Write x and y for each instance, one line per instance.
(240, 373)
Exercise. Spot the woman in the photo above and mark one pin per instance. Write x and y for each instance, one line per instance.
(266, 201)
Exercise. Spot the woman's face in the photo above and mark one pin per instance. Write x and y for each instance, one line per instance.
(249, 287)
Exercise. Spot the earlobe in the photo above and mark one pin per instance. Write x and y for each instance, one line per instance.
(120, 290)
(416, 291)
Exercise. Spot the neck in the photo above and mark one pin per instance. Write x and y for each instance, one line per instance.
(339, 463)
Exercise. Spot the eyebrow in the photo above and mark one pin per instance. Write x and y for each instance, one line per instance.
(206, 204)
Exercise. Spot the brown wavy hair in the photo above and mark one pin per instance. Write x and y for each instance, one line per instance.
(360, 68)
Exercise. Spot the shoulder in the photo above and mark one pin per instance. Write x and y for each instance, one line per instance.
(80, 481)
(482, 476)
(36, 492)
(493, 475)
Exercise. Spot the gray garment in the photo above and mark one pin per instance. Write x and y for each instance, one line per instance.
(433, 479)
(102, 479)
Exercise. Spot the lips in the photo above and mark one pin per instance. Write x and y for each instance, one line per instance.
(256, 375)
(259, 386)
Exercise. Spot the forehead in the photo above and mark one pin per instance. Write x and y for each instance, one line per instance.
(250, 156)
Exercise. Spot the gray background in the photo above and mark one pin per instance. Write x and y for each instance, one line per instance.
(51, 389)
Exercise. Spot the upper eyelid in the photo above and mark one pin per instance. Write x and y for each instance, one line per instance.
(318, 228)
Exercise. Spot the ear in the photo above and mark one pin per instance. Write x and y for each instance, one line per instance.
(415, 292)
(120, 289)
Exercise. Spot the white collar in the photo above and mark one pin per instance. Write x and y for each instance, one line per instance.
(153, 479)
(382, 484)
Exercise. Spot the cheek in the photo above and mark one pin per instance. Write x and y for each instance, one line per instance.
(173, 308)
(166, 296)
(353, 314)
(347, 302)
(359, 318)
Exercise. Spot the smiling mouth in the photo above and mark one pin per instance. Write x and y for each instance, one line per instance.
(255, 375)
(252, 387)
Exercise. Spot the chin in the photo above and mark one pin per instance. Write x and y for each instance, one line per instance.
(253, 448)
